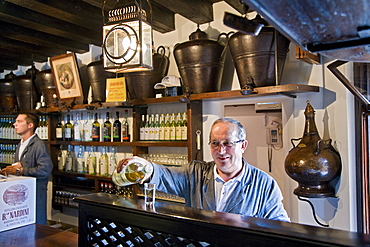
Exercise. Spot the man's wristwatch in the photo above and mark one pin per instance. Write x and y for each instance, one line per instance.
(18, 173)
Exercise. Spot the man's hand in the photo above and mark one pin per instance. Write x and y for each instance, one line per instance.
(125, 162)
(11, 170)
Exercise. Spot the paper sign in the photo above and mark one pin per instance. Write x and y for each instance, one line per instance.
(116, 89)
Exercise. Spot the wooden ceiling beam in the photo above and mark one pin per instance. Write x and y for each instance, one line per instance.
(38, 38)
(197, 11)
(77, 12)
(30, 19)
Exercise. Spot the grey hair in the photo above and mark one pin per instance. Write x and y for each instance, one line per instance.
(241, 133)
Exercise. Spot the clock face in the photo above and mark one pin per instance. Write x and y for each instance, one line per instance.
(121, 44)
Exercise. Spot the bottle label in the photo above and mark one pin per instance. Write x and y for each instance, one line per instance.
(106, 134)
(80, 165)
(95, 133)
(59, 132)
(69, 164)
(68, 133)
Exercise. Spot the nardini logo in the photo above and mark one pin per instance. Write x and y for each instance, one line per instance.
(15, 194)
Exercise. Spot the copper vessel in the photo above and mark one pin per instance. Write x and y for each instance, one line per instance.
(200, 62)
(254, 56)
(97, 77)
(140, 85)
(45, 82)
(314, 162)
(8, 100)
(26, 90)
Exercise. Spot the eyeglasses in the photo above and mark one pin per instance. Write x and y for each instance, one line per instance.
(215, 144)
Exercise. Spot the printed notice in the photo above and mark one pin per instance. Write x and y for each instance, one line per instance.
(116, 89)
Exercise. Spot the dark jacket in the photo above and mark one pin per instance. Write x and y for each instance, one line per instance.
(37, 163)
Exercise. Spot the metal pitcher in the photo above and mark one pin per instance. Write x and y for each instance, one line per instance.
(200, 62)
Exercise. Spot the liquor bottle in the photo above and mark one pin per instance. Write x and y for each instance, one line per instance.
(107, 129)
(60, 159)
(80, 160)
(87, 129)
(91, 161)
(151, 127)
(77, 128)
(95, 133)
(112, 161)
(46, 128)
(156, 128)
(142, 128)
(167, 128)
(146, 128)
(173, 128)
(184, 128)
(161, 127)
(125, 128)
(59, 130)
(117, 129)
(133, 173)
(103, 163)
(178, 127)
(69, 160)
(68, 129)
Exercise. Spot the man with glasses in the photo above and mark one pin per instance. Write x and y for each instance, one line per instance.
(226, 184)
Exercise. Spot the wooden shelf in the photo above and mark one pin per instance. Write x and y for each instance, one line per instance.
(129, 144)
(287, 89)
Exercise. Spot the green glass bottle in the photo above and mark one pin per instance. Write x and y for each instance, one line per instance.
(95, 132)
(125, 128)
(117, 129)
(59, 130)
(173, 127)
(162, 125)
(167, 128)
(68, 129)
(178, 127)
(107, 129)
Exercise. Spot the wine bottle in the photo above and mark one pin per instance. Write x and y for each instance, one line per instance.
(167, 128)
(91, 161)
(46, 128)
(87, 129)
(80, 160)
(112, 161)
(142, 128)
(95, 132)
(69, 160)
(107, 129)
(151, 127)
(133, 173)
(117, 129)
(59, 130)
(178, 127)
(184, 127)
(146, 128)
(125, 128)
(156, 128)
(61, 159)
(161, 127)
(68, 129)
(103, 163)
(173, 127)
(77, 128)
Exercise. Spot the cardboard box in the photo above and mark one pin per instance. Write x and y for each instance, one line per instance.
(17, 202)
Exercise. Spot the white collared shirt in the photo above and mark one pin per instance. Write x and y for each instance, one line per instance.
(223, 189)
(23, 146)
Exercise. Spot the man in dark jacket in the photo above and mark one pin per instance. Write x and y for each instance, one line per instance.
(32, 159)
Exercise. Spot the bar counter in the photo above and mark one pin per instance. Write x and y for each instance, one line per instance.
(110, 220)
(36, 235)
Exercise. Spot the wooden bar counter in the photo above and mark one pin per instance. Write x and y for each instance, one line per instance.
(36, 235)
(110, 220)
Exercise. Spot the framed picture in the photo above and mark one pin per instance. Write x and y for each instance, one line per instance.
(66, 76)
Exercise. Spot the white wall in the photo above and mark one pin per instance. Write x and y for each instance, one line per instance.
(332, 100)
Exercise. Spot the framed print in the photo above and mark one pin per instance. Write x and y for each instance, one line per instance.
(66, 76)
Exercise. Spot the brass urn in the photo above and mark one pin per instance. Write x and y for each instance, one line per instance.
(314, 162)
